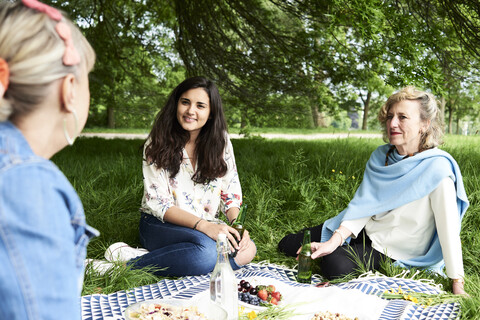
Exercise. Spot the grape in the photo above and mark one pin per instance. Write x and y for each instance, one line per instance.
(253, 291)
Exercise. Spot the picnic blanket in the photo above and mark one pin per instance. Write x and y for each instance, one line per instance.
(112, 306)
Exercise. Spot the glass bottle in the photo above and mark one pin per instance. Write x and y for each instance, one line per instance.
(223, 283)
(239, 222)
(304, 274)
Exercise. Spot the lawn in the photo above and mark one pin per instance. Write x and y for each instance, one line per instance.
(287, 185)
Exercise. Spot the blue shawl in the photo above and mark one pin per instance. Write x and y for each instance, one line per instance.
(388, 187)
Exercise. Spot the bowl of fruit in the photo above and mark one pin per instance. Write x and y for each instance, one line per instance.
(259, 292)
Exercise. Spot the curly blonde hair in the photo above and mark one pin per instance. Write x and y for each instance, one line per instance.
(429, 111)
(33, 50)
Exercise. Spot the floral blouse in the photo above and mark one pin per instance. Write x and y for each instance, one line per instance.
(203, 200)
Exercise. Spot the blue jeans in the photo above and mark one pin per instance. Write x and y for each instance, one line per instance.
(182, 251)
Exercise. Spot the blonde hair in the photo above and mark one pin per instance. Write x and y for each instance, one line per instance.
(429, 111)
(33, 50)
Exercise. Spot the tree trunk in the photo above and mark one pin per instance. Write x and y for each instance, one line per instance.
(450, 119)
(366, 107)
(322, 122)
(458, 126)
(243, 120)
(442, 107)
(315, 116)
(110, 117)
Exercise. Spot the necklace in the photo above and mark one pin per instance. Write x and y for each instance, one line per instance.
(389, 152)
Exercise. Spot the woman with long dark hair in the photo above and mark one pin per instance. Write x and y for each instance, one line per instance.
(189, 176)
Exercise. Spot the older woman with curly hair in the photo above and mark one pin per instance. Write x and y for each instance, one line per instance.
(409, 205)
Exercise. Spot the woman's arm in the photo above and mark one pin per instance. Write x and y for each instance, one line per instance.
(444, 205)
(348, 228)
(42, 264)
(231, 189)
(232, 214)
(157, 197)
(184, 218)
(320, 249)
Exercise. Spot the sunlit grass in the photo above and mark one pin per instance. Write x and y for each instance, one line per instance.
(288, 185)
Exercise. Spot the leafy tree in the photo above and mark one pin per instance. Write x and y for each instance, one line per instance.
(134, 56)
(465, 18)
(275, 58)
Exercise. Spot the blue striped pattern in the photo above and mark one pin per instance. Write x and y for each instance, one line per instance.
(99, 306)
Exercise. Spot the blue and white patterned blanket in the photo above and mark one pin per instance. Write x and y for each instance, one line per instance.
(112, 306)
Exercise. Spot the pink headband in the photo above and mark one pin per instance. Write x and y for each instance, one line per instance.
(4, 75)
(70, 56)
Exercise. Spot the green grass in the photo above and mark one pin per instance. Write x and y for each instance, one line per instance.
(288, 185)
(252, 130)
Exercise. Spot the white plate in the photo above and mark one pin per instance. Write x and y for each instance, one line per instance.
(280, 286)
(210, 310)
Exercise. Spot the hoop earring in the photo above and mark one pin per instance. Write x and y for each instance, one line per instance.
(65, 132)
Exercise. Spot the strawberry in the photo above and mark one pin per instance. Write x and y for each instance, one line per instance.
(262, 294)
(273, 301)
(277, 295)
(271, 288)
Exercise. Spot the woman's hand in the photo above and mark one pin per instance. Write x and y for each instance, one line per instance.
(320, 249)
(245, 242)
(246, 251)
(212, 230)
(457, 288)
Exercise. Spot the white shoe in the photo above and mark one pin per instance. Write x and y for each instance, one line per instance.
(121, 251)
(99, 266)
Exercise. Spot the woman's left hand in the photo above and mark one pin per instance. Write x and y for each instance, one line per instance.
(457, 288)
(320, 249)
(245, 242)
(246, 250)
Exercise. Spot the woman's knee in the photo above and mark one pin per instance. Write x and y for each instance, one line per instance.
(337, 264)
(290, 244)
(207, 258)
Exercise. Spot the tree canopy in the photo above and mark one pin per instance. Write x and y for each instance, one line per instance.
(289, 63)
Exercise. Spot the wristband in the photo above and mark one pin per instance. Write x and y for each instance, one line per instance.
(196, 224)
(341, 236)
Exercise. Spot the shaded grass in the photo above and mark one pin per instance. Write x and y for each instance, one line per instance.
(234, 129)
(288, 185)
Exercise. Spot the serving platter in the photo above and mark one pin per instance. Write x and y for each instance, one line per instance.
(210, 310)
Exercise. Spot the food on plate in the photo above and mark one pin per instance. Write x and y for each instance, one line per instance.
(156, 311)
(249, 298)
(331, 316)
(259, 295)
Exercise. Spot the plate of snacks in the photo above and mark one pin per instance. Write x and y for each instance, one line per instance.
(258, 293)
(331, 316)
(166, 309)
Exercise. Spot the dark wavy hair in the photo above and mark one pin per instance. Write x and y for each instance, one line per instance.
(167, 138)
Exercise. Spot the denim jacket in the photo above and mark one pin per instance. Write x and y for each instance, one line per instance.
(43, 235)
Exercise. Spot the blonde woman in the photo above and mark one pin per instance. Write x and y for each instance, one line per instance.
(44, 102)
(409, 205)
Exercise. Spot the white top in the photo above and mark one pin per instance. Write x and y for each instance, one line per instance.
(203, 200)
(406, 232)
